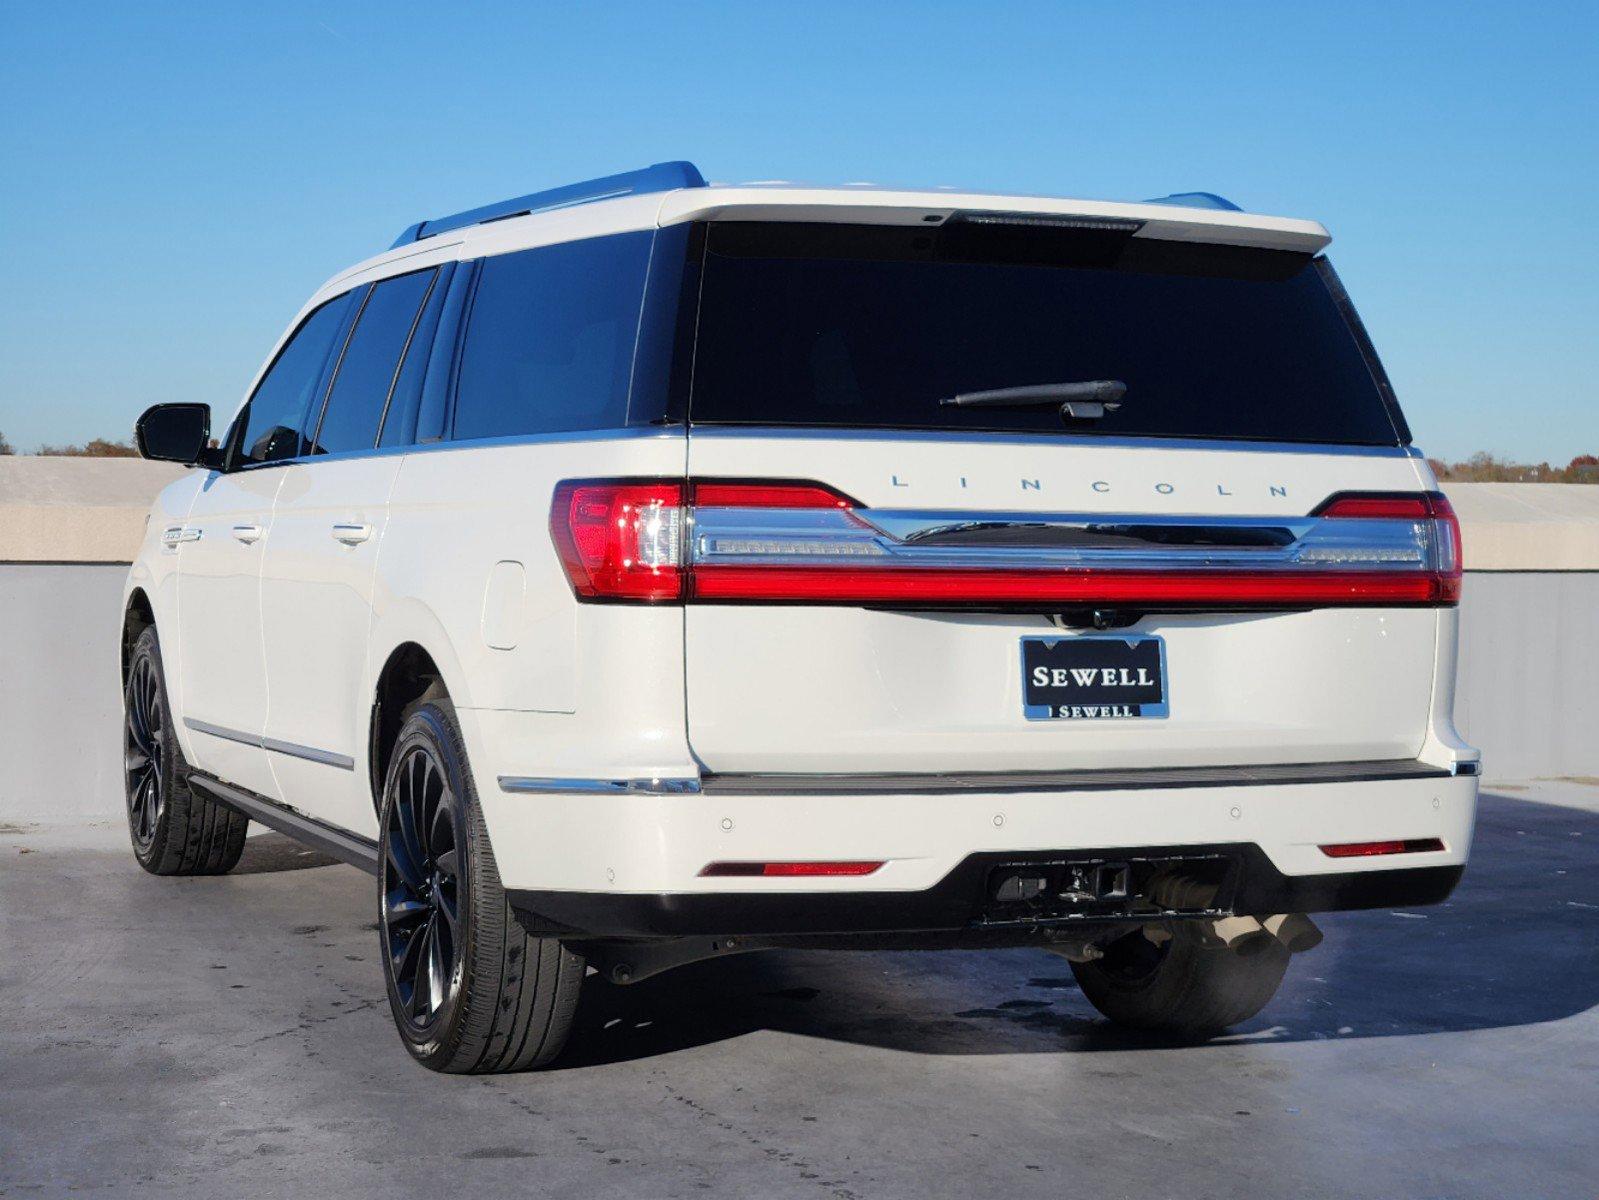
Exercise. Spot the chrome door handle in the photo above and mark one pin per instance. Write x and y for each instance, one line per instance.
(179, 533)
(248, 534)
(351, 534)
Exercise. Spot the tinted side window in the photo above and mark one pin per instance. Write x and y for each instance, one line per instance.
(371, 364)
(399, 422)
(549, 343)
(282, 400)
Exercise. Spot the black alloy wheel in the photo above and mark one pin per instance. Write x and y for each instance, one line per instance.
(143, 745)
(423, 863)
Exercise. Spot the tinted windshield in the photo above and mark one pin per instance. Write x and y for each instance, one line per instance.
(871, 326)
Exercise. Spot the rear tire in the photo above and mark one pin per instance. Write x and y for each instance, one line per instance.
(174, 831)
(469, 990)
(1183, 986)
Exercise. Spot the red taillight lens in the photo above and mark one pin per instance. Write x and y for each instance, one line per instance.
(620, 540)
(1371, 849)
(789, 870)
(762, 494)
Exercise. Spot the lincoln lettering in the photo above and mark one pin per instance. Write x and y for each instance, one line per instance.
(1090, 676)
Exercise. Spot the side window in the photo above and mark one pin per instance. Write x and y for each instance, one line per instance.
(549, 342)
(282, 400)
(371, 364)
(400, 420)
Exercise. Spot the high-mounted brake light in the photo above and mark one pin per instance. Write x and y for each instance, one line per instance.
(798, 542)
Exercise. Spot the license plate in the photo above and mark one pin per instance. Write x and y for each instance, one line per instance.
(1093, 678)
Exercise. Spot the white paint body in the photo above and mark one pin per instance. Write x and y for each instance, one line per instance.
(284, 636)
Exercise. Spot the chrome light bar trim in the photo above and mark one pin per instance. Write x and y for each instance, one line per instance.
(310, 753)
(546, 785)
(873, 537)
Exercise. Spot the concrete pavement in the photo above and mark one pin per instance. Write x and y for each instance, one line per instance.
(229, 1037)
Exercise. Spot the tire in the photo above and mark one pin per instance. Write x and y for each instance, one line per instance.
(469, 990)
(173, 830)
(1182, 986)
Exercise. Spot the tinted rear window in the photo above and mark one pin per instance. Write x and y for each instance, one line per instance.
(870, 326)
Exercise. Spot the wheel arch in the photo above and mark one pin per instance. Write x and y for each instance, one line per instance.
(409, 673)
(138, 614)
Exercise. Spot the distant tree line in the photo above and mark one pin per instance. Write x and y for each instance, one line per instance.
(1483, 467)
(95, 448)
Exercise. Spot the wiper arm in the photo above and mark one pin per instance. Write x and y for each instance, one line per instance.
(1087, 400)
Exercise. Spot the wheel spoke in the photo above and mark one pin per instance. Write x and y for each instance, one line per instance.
(405, 866)
(403, 956)
(421, 999)
(401, 907)
(435, 966)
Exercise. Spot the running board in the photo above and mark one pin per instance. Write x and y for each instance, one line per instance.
(1277, 774)
(342, 845)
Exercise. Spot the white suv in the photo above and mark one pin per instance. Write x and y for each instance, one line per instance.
(645, 571)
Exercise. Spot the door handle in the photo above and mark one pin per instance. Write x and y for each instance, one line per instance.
(248, 534)
(351, 533)
(179, 533)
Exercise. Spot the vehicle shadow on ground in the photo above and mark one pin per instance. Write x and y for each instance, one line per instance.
(267, 853)
(1517, 944)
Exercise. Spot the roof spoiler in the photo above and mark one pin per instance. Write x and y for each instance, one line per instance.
(1197, 200)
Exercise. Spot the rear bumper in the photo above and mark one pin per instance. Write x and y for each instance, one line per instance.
(956, 904)
(628, 864)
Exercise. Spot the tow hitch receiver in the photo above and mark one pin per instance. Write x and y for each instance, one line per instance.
(1104, 888)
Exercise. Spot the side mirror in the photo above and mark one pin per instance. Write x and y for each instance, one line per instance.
(174, 432)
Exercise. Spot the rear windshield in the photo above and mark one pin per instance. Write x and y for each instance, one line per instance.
(872, 326)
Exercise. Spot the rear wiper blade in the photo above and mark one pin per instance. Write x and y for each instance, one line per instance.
(1089, 399)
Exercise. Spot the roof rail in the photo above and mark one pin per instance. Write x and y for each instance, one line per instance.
(661, 177)
(1197, 200)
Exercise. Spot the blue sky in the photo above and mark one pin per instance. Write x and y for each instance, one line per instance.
(177, 180)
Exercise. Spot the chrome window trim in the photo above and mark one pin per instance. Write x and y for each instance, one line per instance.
(546, 785)
(310, 753)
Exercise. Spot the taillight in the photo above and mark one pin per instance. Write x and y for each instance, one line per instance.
(1426, 526)
(777, 542)
(620, 540)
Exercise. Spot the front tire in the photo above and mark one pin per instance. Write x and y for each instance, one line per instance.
(1180, 985)
(469, 990)
(173, 830)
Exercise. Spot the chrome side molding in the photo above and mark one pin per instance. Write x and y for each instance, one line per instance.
(310, 753)
(533, 784)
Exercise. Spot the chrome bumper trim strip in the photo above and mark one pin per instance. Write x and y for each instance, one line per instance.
(1155, 778)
